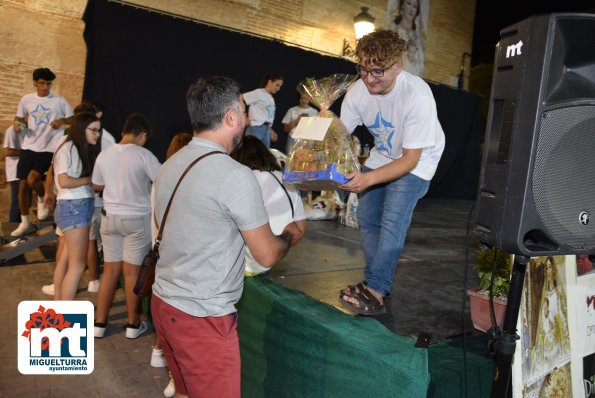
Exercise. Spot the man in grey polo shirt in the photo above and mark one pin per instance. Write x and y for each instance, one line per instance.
(216, 211)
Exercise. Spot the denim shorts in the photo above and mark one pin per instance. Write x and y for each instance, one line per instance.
(74, 213)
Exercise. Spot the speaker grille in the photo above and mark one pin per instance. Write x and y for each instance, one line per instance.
(564, 175)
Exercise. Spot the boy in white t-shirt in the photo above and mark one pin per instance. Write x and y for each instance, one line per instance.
(46, 114)
(293, 116)
(399, 110)
(124, 173)
(262, 108)
(12, 150)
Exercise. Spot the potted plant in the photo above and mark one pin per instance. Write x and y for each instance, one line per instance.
(479, 300)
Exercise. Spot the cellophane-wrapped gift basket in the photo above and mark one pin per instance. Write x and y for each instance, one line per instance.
(314, 165)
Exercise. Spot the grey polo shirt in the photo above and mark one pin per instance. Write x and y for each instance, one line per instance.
(201, 265)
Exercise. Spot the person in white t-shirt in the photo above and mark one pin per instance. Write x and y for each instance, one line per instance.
(282, 203)
(46, 114)
(124, 173)
(12, 150)
(107, 140)
(399, 110)
(293, 116)
(92, 253)
(73, 165)
(261, 109)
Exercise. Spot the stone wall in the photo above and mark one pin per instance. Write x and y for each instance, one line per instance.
(49, 33)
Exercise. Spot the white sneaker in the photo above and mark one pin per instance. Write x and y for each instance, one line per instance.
(43, 211)
(99, 330)
(133, 332)
(157, 358)
(93, 286)
(170, 390)
(48, 289)
(22, 229)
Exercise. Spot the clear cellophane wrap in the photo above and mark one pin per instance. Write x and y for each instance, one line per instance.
(322, 165)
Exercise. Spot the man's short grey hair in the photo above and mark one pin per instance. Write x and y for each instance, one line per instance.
(209, 98)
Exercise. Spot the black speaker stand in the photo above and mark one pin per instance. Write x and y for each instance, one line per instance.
(506, 344)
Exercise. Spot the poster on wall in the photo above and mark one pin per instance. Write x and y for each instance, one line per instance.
(555, 353)
(410, 19)
(583, 347)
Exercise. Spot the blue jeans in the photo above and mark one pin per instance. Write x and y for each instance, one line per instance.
(384, 214)
(261, 132)
(74, 213)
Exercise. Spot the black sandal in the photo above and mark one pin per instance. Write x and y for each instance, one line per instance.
(367, 304)
(353, 289)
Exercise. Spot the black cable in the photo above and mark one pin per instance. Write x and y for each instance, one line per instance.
(465, 283)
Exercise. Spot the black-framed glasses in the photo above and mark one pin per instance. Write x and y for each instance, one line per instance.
(94, 130)
(377, 72)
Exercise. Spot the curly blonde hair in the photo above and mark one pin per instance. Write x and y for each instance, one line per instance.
(382, 47)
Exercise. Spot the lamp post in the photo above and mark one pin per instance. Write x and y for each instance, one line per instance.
(363, 24)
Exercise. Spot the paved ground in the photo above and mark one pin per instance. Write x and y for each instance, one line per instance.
(122, 366)
(427, 297)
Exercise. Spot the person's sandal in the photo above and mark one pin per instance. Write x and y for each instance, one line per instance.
(353, 289)
(367, 304)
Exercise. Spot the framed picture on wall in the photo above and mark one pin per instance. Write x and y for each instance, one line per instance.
(410, 19)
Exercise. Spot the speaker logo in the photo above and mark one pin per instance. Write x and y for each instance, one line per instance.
(55, 337)
(584, 218)
(514, 49)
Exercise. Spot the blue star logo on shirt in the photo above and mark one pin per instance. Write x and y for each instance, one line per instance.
(41, 115)
(271, 112)
(383, 131)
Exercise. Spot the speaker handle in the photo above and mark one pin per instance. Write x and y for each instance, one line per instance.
(505, 344)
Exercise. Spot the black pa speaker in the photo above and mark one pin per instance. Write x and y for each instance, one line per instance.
(536, 192)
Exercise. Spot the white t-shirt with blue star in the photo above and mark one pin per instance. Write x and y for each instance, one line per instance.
(404, 118)
(41, 111)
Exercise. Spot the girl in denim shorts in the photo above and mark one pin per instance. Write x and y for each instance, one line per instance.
(73, 165)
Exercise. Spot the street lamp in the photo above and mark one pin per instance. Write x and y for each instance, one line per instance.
(363, 24)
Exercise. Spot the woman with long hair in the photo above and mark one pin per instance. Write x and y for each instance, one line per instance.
(283, 203)
(73, 165)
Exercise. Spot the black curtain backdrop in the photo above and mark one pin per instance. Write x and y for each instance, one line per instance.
(142, 61)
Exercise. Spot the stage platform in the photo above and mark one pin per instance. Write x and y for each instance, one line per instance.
(332, 352)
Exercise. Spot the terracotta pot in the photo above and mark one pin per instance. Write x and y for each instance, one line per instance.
(479, 307)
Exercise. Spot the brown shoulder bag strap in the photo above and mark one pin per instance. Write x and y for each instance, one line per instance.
(160, 233)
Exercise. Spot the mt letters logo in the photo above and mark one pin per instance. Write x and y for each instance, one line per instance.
(55, 337)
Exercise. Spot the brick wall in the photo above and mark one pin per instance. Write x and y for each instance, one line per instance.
(48, 33)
